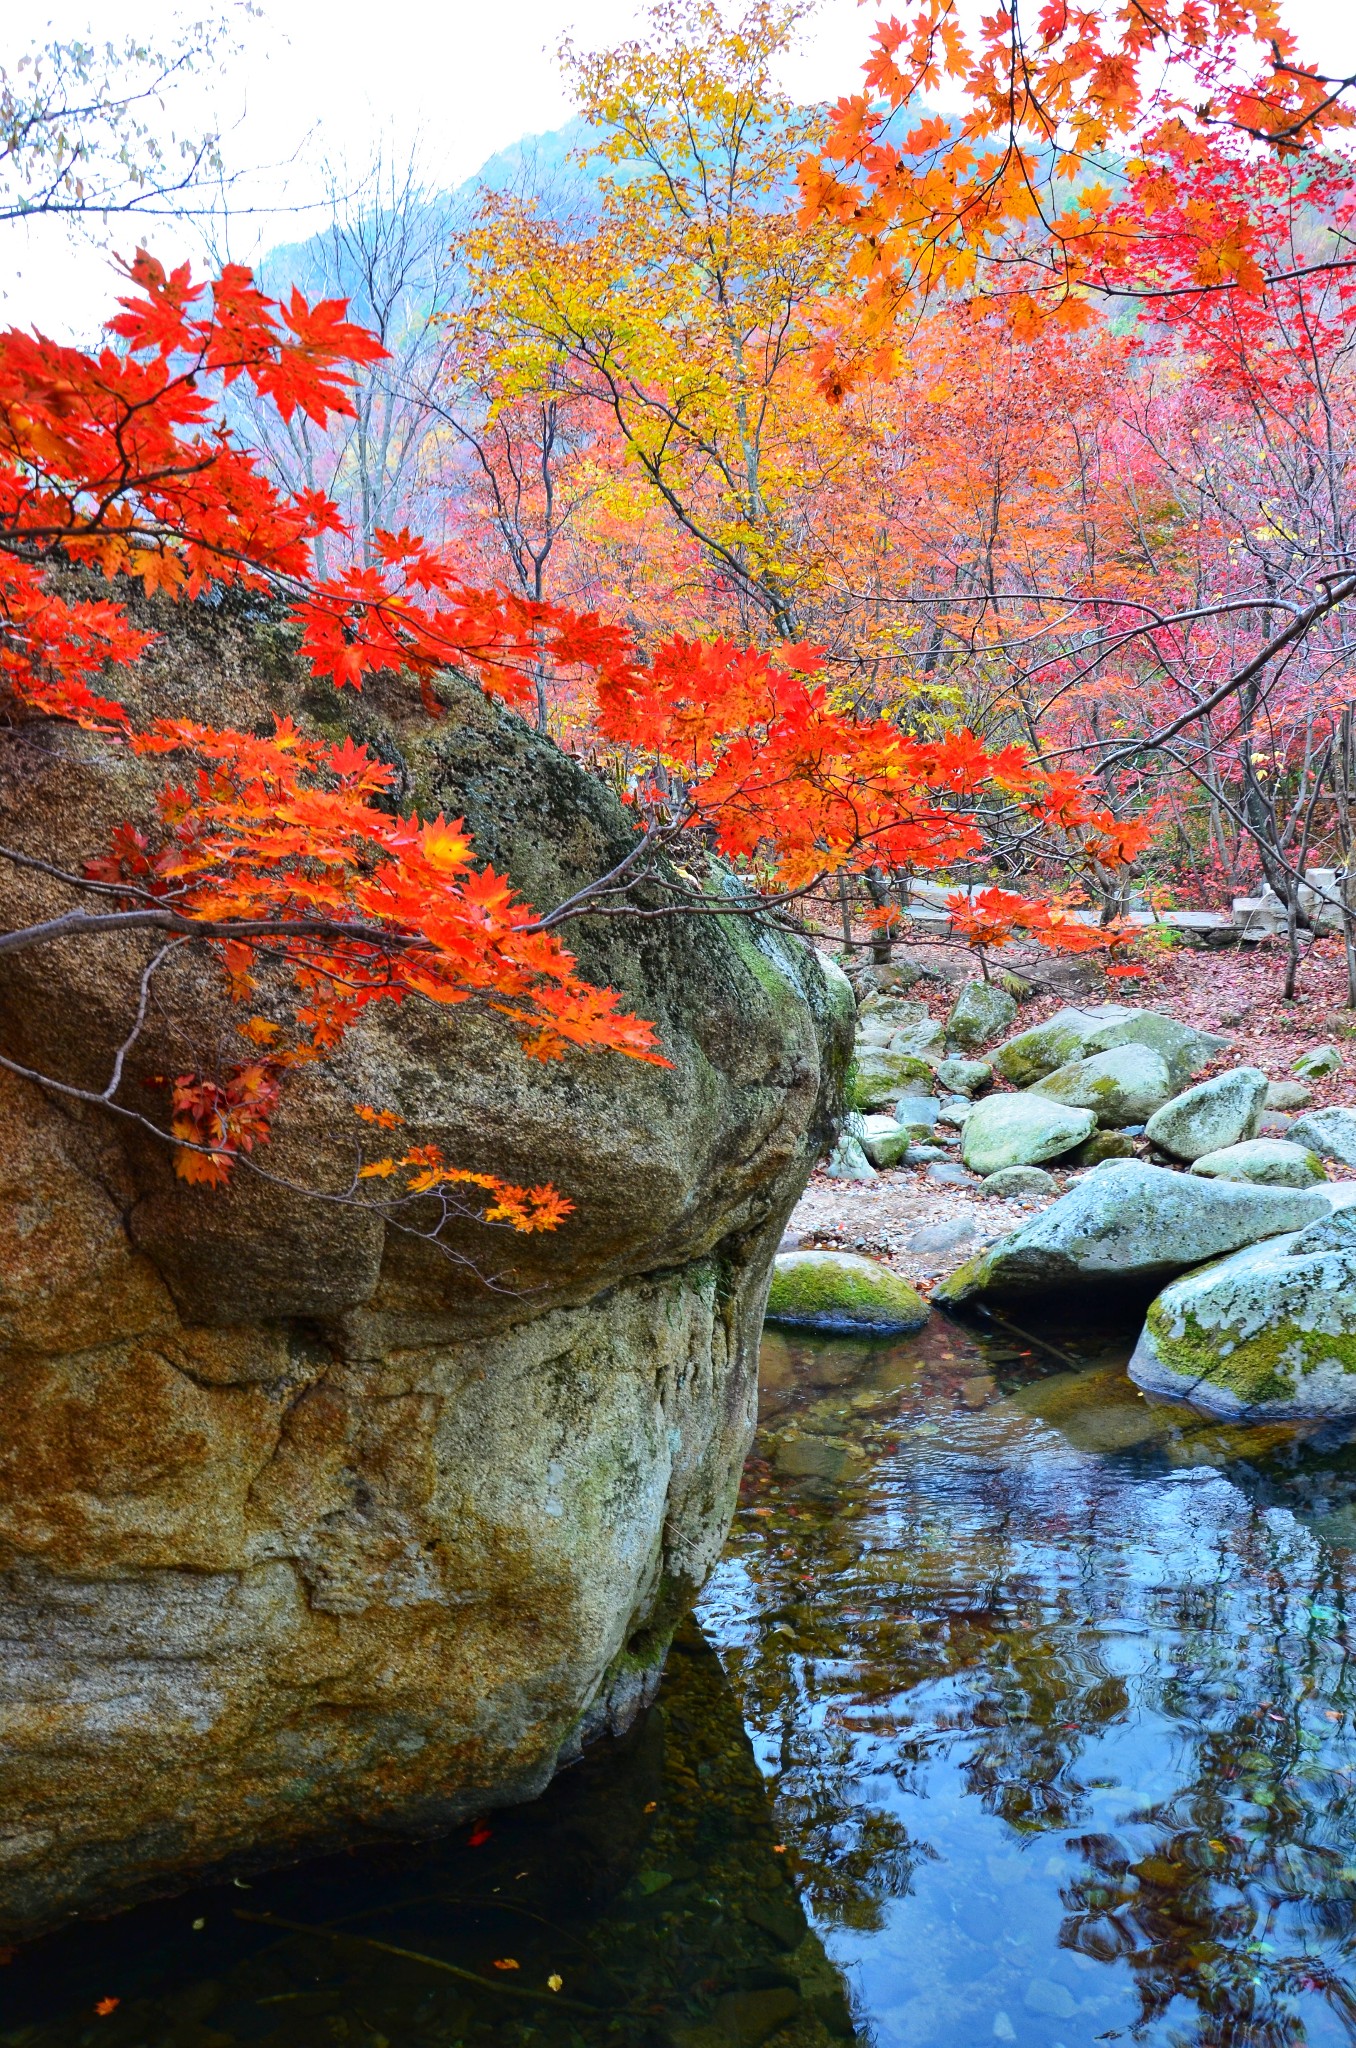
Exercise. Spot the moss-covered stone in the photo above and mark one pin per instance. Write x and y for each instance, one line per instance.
(1123, 1085)
(1267, 1162)
(1270, 1330)
(840, 1291)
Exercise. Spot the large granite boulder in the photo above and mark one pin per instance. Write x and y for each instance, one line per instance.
(310, 1532)
(1225, 1110)
(1021, 1130)
(1122, 1086)
(1270, 1331)
(1129, 1223)
(1075, 1034)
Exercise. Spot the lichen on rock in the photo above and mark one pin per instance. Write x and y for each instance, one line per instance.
(307, 1533)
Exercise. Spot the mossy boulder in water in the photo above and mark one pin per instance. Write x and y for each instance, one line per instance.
(1130, 1223)
(1269, 1331)
(840, 1291)
(1124, 1085)
(1266, 1162)
(1021, 1130)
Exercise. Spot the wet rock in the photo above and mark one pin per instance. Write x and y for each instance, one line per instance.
(1318, 1064)
(1130, 1222)
(1219, 1112)
(841, 1291)
(883, 1140)
(978, 1014)
(1289, 1095)
(1270, 1331)
(1267, 1162)
(819, 1457)
(1050, 1999)
(1075, 1034)
(964, 1077)
(746, 2018)
(1021, 1130)
(1121, 1086)
(1329, 1132)
(1018, 1182)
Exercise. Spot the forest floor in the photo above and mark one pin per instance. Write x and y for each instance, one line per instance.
(923, 1228)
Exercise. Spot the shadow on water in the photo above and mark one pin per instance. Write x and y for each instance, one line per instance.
(646, 1883)
(1033, 1694)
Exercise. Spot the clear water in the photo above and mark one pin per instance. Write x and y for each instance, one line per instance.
(1021, 1710)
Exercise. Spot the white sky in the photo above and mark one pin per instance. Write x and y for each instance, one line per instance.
(332, 79)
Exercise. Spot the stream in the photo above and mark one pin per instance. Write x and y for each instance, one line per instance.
(1020, 1709)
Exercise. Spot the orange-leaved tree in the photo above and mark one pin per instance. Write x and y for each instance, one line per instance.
(280, 854)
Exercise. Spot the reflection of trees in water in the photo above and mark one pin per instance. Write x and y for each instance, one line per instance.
(1250, 1870)
(966, 1626)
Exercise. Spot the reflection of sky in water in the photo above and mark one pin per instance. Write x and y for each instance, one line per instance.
(1055, 1703)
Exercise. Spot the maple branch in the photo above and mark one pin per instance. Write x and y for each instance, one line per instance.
(90, 924)
(1340, 589)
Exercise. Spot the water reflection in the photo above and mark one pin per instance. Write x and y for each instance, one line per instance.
(1054, 1694)
(644, 1900)
(1050, 1702)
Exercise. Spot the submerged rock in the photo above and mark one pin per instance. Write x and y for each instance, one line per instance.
(1329, 1132)
(978, 1014)
(307, 1534)
(1021, 1130)
(1122, 1086)
(1267, 1162)
(841, 1291)
(1222, 1111)
(1129, 1222)
(1270, 1331)
(1075, 1034)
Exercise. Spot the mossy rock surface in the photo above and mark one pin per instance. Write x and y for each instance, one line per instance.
(1269, 1331)
(1124, 1085)
(1266, 1162)
(1021, 1130)
(840, 1291)
(1222, 1111)
(1131, 1223)
(1075, 1034)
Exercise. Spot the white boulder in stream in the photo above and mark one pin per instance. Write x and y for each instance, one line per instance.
(1021, 1130)
(1215, 1113)
(1270, 1331)
(1124, 1085)
(1128, 1222)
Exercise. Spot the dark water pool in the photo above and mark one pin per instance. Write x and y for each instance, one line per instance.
(1019, 1710)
